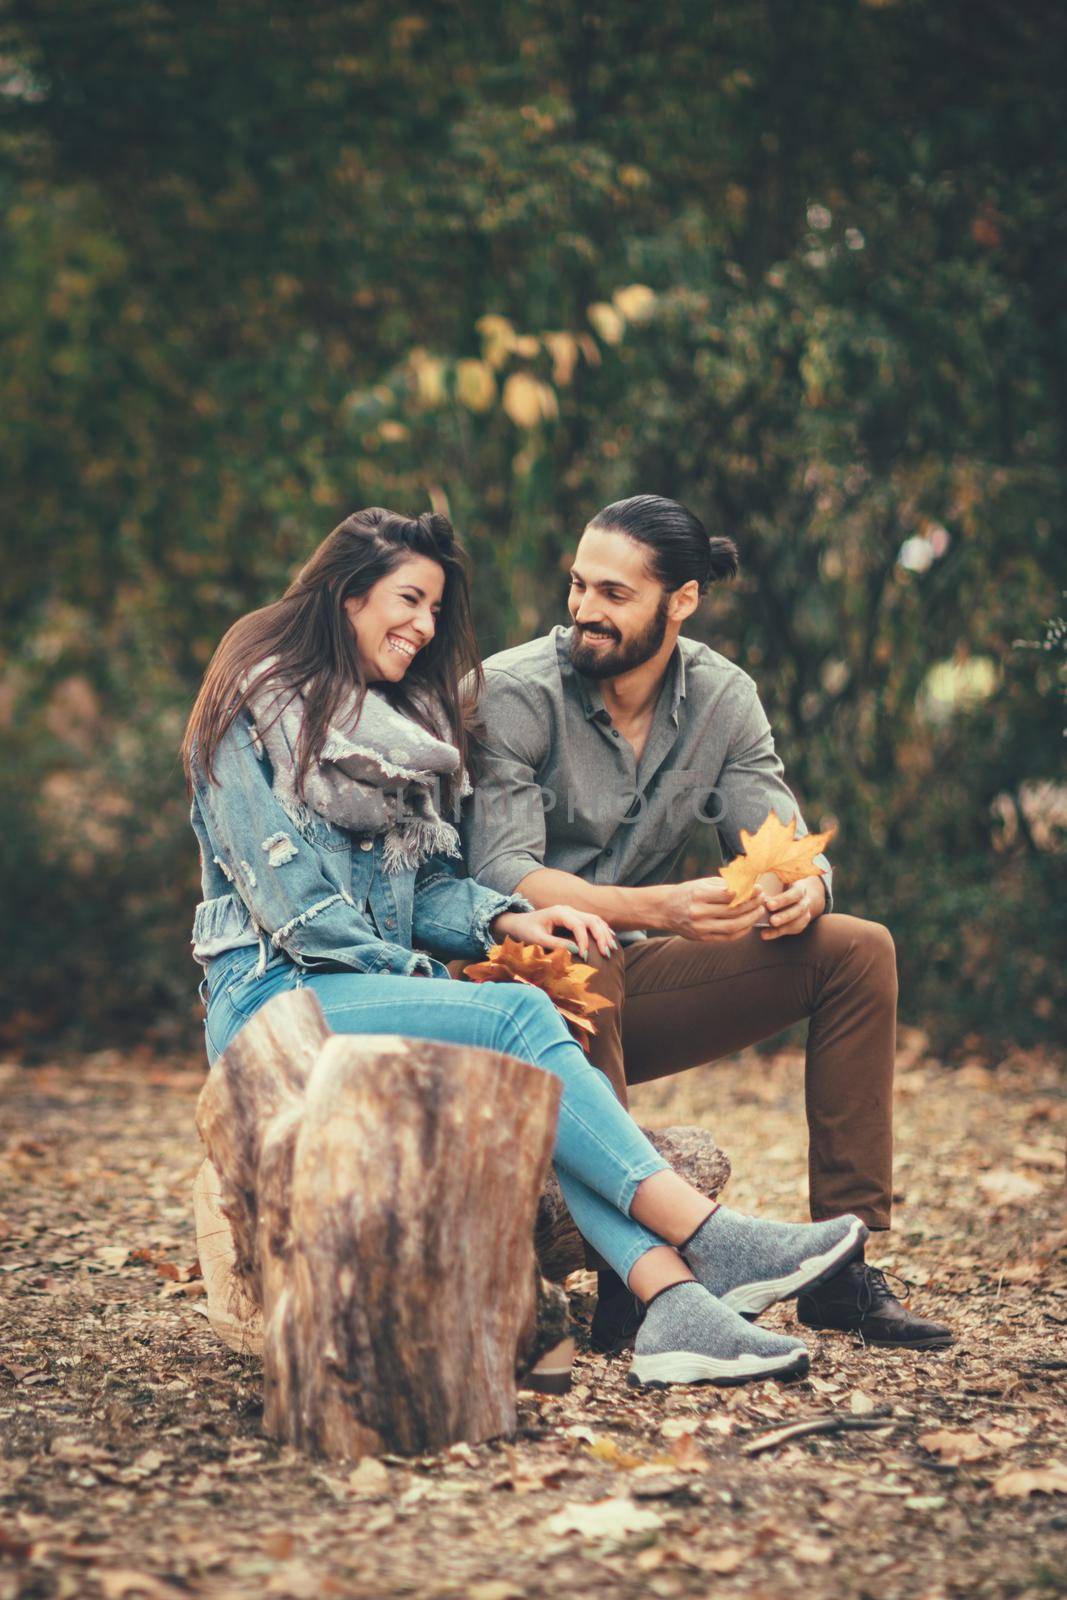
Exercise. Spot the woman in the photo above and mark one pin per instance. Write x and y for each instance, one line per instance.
(326, 739)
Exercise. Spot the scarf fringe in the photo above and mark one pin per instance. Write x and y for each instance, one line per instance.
(405, 848)
(301, 816)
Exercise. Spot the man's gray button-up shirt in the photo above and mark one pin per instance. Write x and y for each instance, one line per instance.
(556, 786)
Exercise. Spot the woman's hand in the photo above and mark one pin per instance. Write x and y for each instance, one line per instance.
(536, 927)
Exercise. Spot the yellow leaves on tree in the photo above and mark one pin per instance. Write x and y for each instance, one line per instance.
(498, 338)
(528, 401)
(563, 348)
(636, 302)
(564, 980)
(427, 374)
(609, 323)
(774, 847)
(475, 385)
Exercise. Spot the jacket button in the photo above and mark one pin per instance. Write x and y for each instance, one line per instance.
(366, 844)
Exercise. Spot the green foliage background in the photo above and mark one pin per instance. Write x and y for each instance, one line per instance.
(802, 267)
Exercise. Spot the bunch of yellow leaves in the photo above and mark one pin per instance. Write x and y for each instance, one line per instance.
(564, 980)
(774, 847)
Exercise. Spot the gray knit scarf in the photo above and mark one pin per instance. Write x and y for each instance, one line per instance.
(378, 771)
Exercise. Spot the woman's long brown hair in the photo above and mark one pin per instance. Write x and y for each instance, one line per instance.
(308, 633)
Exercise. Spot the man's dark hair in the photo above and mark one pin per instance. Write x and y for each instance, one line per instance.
(680, 545)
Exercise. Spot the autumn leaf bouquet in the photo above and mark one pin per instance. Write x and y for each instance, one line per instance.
(564, 980)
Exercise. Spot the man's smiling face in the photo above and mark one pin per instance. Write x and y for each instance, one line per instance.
(619, 610)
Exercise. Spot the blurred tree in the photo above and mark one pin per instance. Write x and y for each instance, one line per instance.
(803, 267)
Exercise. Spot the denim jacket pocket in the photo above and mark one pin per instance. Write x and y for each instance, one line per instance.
(324, 835)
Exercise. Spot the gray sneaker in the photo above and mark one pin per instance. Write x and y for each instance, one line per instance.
(748, 1263)
(690, 1337)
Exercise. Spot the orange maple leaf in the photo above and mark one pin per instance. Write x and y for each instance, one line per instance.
(774, 847)
(564, 980)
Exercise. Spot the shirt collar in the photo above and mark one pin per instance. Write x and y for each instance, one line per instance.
(588, 689)
(678, 690)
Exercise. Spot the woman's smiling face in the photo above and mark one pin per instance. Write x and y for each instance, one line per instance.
(396, 618)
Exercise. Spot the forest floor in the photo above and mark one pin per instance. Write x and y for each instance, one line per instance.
(132, 1462)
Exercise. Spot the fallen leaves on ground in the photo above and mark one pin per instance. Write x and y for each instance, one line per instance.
(953, 1446)
(370, 1478)
(1007, 1188)
(614, 1518)
(813, 1554)
(1051, 1479)
(729, 1559)
(134, 1445)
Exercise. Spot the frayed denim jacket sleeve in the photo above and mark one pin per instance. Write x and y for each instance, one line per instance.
(278, 873)
(452, 913)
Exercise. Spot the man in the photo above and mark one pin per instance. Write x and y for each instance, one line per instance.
(603, 747)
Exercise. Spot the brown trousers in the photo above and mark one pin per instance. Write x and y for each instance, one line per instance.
(679, 1004)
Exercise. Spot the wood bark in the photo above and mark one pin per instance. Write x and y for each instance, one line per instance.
(382, 1194)
(693, 1154)
(264, 1072)
(231, 1310)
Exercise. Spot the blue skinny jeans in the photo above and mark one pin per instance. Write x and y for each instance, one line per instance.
(600, 1154)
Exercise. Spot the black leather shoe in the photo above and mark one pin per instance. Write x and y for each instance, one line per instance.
(617, 1317)
(858, 1300)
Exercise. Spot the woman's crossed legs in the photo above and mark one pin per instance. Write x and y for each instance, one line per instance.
(623, 1196)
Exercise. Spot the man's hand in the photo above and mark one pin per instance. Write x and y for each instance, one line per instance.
(701, 910)
(795, 908)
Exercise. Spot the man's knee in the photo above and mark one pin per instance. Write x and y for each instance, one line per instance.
(605, 1045)
(877, 943)
(867, 944)
(610, 980)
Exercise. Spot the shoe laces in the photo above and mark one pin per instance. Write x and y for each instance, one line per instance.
(874, 1290)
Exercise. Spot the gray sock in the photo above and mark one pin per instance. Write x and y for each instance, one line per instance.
(690, 1337)
(748, 1262)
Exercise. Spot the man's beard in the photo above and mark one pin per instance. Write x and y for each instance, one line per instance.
(595, 661)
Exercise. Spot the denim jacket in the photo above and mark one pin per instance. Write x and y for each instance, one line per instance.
(318, 892)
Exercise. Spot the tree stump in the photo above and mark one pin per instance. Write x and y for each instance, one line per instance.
(231, 1310)
(382, 1194)
(693, 1154)
(263, 1073)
